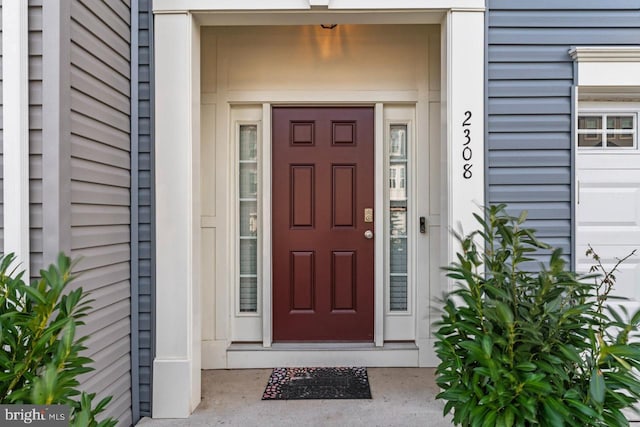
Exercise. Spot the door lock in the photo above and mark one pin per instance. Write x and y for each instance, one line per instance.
(368, 215)
(423, 225)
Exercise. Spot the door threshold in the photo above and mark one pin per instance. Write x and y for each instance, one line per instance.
(254, 355)
(321, 346)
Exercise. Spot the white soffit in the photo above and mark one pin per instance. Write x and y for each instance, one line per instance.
(606, 66)
(318, 17)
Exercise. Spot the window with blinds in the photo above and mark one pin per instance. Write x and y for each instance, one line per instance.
(248, 211)
(398, 198)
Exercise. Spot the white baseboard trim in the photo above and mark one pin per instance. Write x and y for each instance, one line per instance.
(172, 388)
(214, 354)
(428, 357)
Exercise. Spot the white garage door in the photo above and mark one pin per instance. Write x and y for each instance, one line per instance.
(608, 196)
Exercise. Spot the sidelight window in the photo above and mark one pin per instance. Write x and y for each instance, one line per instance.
(248, 212)
(398, 259)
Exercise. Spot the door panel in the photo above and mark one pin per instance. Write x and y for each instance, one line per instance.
(343, 283)
(343, 201)
(608, 216)
(323, 266)
(302, 280)
(302, 195)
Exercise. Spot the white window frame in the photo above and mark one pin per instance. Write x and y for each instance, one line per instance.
(246, 326)
(603, 111)
(400, 324)
(398, 179)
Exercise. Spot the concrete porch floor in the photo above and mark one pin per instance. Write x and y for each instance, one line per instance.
(401, 397)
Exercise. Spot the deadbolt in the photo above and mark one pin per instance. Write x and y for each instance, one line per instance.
(368, 215)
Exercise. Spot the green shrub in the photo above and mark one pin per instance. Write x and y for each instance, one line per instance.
(40, 354)
(522, 348)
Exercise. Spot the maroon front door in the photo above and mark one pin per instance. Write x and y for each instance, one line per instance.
(323, 270)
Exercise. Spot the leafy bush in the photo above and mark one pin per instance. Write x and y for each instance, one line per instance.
(522, 348)
(40, 355)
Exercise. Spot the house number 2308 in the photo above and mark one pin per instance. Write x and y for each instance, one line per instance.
(467, 154)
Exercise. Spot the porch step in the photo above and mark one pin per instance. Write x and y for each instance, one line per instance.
(253, 355)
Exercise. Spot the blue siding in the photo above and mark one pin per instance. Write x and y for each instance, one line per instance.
(566, 19)
(146, 281)
(35, 135)
(530, 76)
(553, 6)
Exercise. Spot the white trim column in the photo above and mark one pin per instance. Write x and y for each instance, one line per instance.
(463, 124)
(15, 113)
(176, 367)
(56, 129)
(379, 226)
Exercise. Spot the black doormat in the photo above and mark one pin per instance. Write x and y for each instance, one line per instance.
(317, 383)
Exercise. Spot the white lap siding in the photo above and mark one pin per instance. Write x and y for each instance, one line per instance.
(100, 189)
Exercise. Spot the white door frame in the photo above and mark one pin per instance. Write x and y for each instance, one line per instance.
(176, 370)
(401, 110)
